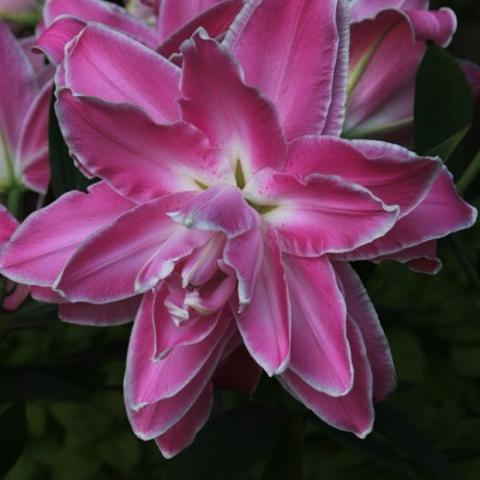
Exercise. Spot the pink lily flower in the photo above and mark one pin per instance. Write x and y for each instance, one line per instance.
(388, 41)
(15, 294)
(230, 206)
(25, 89)
(175, 22)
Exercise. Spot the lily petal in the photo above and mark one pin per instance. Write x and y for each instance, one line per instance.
(34, 256)
(320, 214)
(352, 412)
(320, 353)
(362, 312)
(265, 325)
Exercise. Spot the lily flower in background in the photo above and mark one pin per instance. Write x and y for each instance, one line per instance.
(229, 207)
(25, 91)
(388, 41)
(22, 12)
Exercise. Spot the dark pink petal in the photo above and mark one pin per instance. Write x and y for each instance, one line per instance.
(362, 312)
(212, 297)
(172, 14)
(215, 20)
(8, 225)
(52, 41)
(182, 434)
(472, 73)
(33, 147)
(18, 90)
(437, 26)
(391, 173)
(36, 256)
(295, 64)
(168, 334)
(107, 315)
(320, 213)
(14, 299)
(265, 324)
(352, 412)
(320, 354)
(101, 12)
(441, 212)
(105, 267)
(220, 208)
(136, 156)
(245, 255)
(148, 380)
(235, 117)
(238, 372)
(420, 258)
(95, 65)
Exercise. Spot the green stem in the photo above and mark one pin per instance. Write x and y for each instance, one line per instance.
(14, 201)
(469, 175)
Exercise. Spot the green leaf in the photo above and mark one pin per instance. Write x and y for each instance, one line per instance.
(231, 444)
(13, 436)
(398, 431)
(443, 102)
(469, 175)
(65, 175)
(446, 148)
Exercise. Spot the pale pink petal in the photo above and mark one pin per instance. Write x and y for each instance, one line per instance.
(235, 117)
(168, 334)
(352, 412)
(362, 312)
(102, 12)
(136, 156)
(201, 266)
(295, 62)
(8, 225)
(107, 315)
(265, 325)
(321, 213)
(52, 40)
(33, 148)
(436, 26)
(320, 354)
(118, 252)
(172, 14)
(214, 20)
(211, 297)
(238, 372)
(182, 434)
(181, 243)
(46, 240)
(391, 173)
(148, 381)
(212, 211)
(95, 65)
(18, 89)
(245, 255)
(441, 212)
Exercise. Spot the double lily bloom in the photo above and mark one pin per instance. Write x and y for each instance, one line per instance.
(226, 214)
